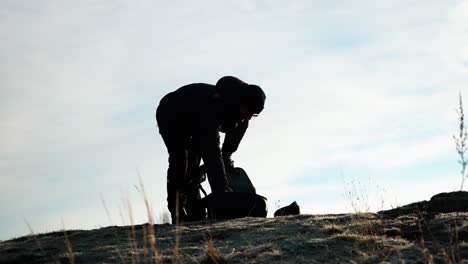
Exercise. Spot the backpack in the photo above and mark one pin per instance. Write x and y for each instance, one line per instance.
(241, 202)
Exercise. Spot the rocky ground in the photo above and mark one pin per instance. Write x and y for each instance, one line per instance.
(342, 238)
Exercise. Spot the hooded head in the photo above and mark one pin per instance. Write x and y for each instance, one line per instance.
(241, 95)
(253, 98)
(229, 88)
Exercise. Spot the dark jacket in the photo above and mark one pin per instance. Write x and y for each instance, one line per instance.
(199, 112)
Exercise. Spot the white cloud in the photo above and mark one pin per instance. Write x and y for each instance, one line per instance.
(349, 117)
(376, 108)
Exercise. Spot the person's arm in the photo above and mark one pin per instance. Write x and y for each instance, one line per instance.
(207, 140)
(232, 141)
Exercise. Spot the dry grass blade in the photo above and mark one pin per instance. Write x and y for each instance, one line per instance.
(39, 243)
(145, 244)
(121, 214)
(106, 209)
(119, 253)
(71, 255)
(212, 254)
(177, 237)
(132, 237)
(151, 232)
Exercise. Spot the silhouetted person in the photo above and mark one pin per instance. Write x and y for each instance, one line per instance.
(189, 121)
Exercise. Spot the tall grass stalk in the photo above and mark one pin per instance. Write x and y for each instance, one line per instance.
(119, 252)
(145, 244)
(177, 236)
(106, 209)
(423, 224)
(151, 232)
(454, 244)
(31, 231)
(461, 146)
(132, 237)
(71, 255)
(461, 141)
(426, 253)
(121, 214)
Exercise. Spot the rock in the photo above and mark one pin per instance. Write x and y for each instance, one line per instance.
(292, 209)
(439, 203)
(449, 202)
(404, 210)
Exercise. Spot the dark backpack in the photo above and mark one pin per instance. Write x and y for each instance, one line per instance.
(241, 202)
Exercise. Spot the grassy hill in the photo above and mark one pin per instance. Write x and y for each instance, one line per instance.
(341, 238)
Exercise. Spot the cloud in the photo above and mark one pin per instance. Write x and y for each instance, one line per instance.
(313, 119)
(388, 104)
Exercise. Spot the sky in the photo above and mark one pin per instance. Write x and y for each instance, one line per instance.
(360, 111)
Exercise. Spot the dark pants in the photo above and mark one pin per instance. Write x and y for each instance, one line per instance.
(183, 176)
